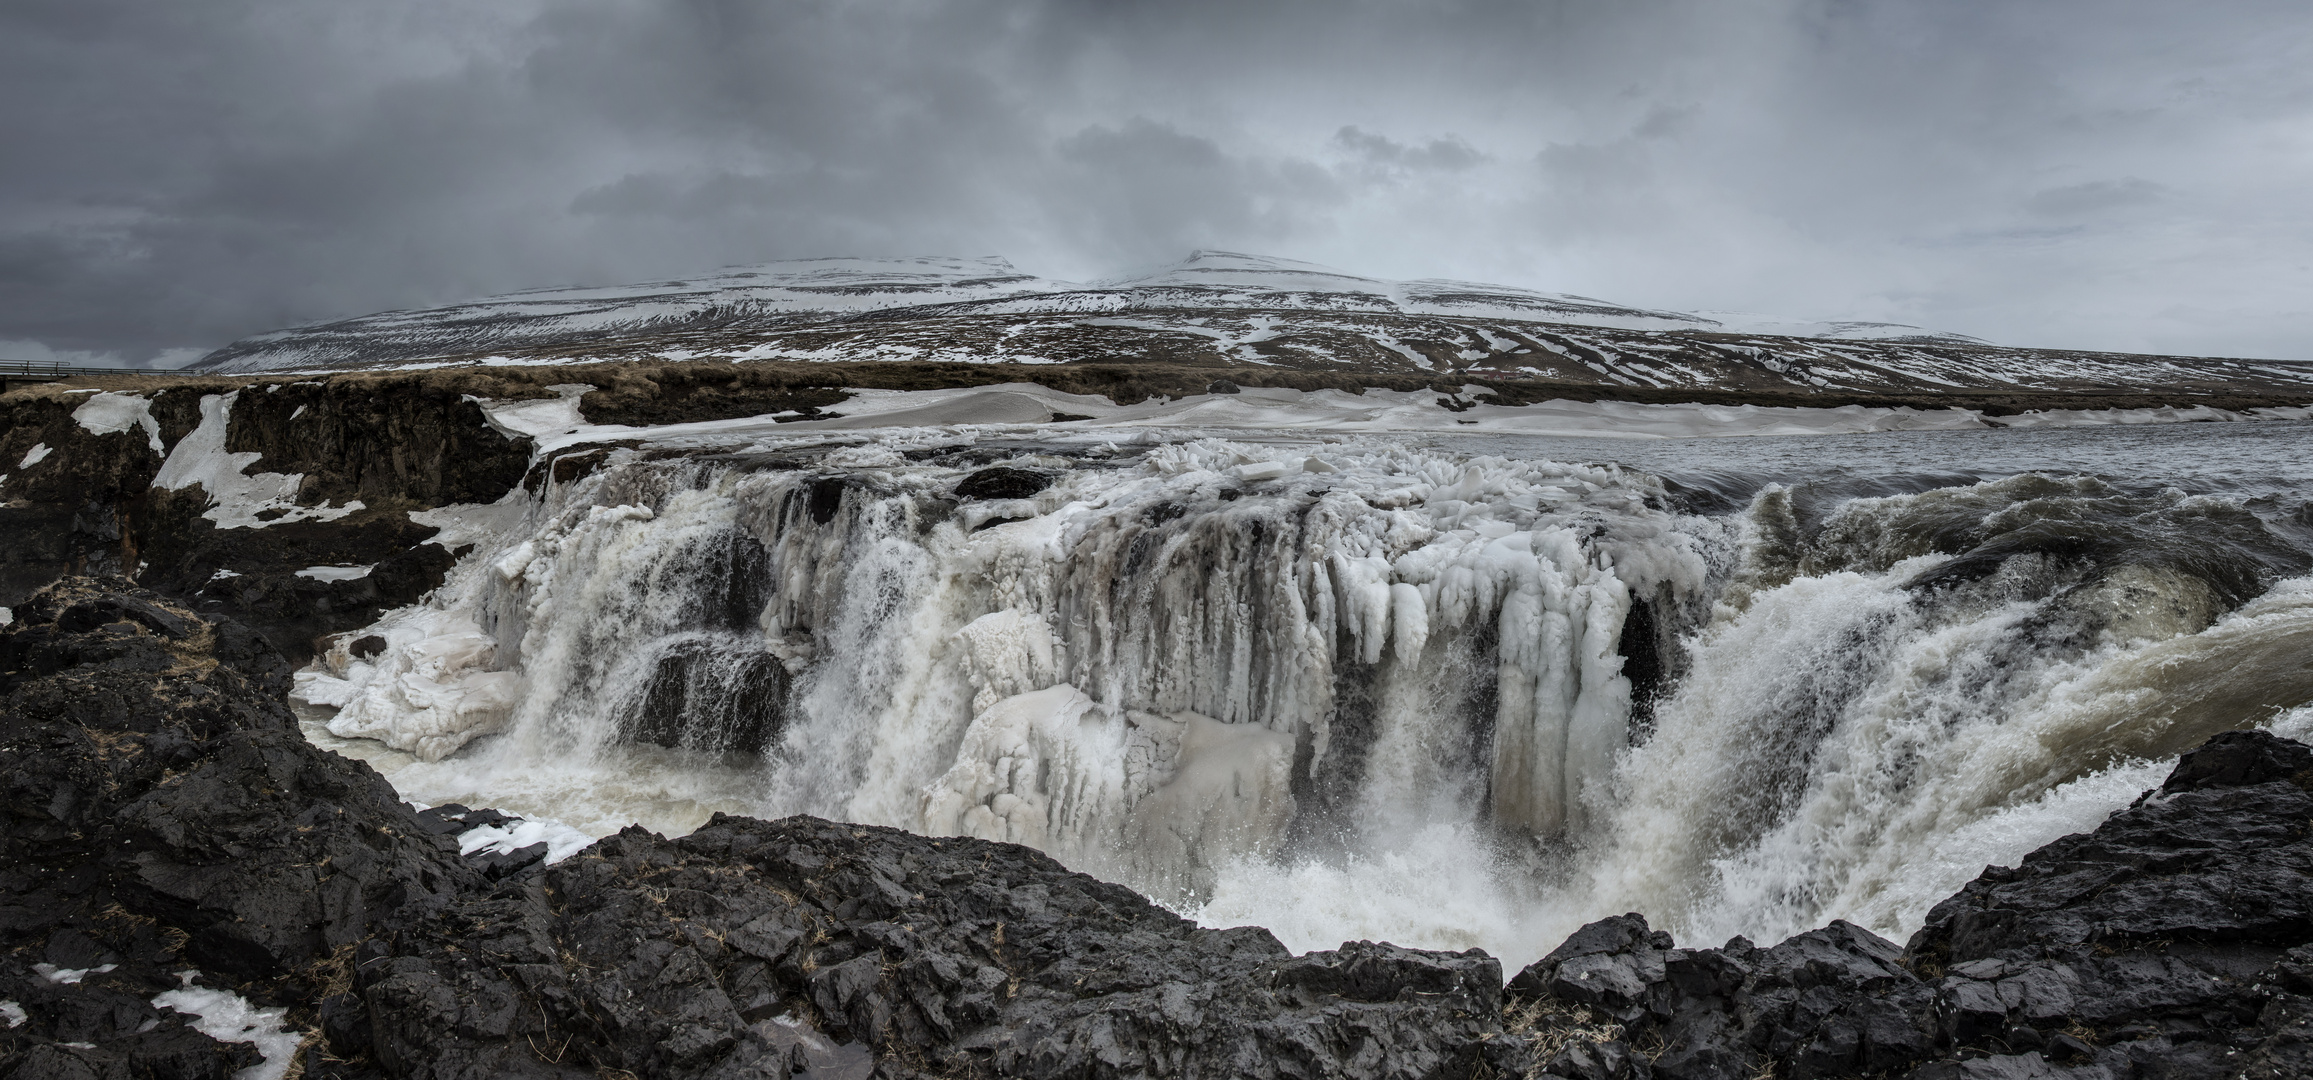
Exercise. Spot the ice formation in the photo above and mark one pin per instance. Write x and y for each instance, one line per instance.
(68, 976)
(1140, 666)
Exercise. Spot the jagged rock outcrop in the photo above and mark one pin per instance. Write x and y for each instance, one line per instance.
(159, 814)
(2174, 941)
(78, 493)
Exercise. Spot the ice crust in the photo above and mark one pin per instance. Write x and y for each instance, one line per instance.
(335, 573)
(68, 976)
(562, 841)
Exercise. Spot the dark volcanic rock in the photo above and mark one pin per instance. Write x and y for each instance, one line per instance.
(1830, 1002)
(947, 956)
(1002, 482)
(68, 512)
(163, 814)
(2174, 941)
(160, 812)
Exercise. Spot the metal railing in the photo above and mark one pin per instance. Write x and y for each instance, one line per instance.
(34, 369)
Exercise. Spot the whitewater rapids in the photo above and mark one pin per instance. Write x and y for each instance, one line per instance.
(1341, 689)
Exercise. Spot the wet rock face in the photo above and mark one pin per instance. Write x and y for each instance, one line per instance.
(2175, 937)
(414, 446)
(717, 700)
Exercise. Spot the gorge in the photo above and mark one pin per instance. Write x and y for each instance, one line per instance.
(528, 716)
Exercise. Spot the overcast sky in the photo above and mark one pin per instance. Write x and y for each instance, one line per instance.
(2117, 175)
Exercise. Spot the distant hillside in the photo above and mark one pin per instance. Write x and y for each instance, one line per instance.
(1215, 309)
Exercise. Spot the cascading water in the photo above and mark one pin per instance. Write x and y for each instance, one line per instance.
(1344, 690)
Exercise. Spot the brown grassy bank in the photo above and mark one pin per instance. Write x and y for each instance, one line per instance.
(644, 392)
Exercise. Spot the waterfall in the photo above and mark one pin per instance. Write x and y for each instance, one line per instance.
(1347, 689)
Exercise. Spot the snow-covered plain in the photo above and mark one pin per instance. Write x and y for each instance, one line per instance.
(1215, 308)
(558, 424)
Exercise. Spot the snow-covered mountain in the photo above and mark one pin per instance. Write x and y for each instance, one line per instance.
(1215, 308)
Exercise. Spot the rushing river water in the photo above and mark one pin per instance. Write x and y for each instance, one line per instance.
(1439, 689)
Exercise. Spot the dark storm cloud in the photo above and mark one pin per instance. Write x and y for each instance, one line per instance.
(1449, 152)
(2073, 172)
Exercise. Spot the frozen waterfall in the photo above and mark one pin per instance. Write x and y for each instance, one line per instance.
(1341, 689)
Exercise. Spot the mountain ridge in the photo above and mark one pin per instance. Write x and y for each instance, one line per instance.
(1214, 309)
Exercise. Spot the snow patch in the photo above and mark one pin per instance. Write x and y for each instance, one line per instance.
(336, 573)
(462, 524)
(13, 1013)
(69, 976)
(34, 456)
(109, 412)
(561, 840)
(228, 1017)
(237, 499)
(538, 417)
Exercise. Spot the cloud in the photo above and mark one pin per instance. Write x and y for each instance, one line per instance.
(1446, 152)
(2094, 197)
(2120, 174)
(1145, 191)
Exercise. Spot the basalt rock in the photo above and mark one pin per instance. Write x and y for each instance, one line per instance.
(2174, 941)
(162, 815)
